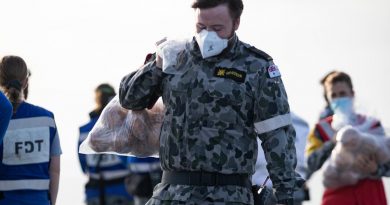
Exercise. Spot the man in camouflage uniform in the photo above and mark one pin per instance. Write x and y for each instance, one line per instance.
(216, 106)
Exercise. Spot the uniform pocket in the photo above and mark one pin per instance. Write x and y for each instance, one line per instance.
(224, 106)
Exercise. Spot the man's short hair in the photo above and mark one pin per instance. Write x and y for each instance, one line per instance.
(235, 6)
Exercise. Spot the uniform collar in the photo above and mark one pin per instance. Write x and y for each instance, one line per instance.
(230, 52)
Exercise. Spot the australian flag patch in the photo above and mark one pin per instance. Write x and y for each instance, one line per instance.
(273, 71)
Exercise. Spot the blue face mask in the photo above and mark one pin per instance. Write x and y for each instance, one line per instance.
(342, 104)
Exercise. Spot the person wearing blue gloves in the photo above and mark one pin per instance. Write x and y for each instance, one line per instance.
(106, 172)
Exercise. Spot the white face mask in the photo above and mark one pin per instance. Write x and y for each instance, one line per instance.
(210, 44)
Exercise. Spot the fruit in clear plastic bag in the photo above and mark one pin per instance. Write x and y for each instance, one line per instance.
(127, 132)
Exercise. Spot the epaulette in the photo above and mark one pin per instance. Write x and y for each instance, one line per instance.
(258, 52)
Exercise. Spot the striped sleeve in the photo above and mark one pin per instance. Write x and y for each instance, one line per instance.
(317, 151)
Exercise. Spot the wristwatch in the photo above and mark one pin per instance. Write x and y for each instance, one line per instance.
(286, 202)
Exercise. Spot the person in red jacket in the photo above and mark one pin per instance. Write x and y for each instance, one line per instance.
(339, 94)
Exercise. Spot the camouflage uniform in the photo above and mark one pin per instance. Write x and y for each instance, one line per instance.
(215, 108)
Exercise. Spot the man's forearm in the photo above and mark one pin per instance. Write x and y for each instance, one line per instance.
(140, 89)
(280, 154)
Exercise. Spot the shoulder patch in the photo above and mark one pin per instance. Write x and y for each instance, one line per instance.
(258, 52)
(273, 71)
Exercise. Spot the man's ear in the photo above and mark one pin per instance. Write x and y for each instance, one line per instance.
(236, 24)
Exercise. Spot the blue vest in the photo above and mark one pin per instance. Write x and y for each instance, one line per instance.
(25, 156)
(109, 168)
(143, 165)
(5, 115)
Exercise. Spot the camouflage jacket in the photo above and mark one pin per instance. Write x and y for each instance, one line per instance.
(215, 108)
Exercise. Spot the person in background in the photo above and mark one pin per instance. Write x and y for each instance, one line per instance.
(340, 94)
(30, 153)
(145, 173)
(261, 174)
(5, 115)
(106, 172)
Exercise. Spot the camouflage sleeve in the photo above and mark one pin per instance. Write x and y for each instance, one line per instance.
(141, 88)
(274, 128)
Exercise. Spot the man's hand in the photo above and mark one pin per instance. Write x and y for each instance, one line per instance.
(159, 45)
(159, 62)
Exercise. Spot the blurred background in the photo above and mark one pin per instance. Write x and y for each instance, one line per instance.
(74, 45)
